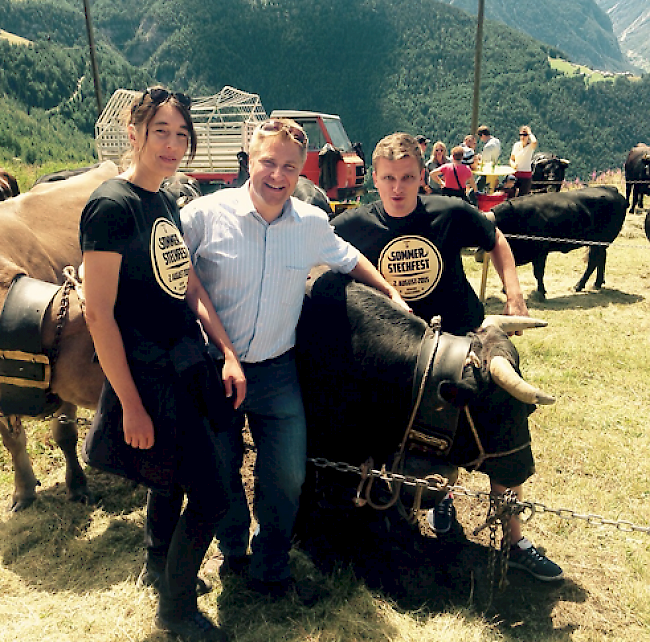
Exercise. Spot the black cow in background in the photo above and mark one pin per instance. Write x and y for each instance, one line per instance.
(590, 214)
(309, 192)
(548, 172)
(637, 168)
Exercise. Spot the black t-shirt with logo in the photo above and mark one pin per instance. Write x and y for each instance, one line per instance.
(144, 228)
(420, 254)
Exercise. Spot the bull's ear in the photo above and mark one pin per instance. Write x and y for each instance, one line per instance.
(457, 394)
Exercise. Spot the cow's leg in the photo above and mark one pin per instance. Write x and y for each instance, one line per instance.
(25, 482)
(628, 191)
(539, 266)
(64, 431)
(600, 260)
(595, 261)
(637, 198)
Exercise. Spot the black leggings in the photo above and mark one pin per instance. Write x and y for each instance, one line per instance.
(177, 542)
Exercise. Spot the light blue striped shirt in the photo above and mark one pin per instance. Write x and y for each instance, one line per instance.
(255, 272)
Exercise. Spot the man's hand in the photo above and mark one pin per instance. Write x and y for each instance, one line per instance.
(397, 298)
(516, 306)
(234, 380)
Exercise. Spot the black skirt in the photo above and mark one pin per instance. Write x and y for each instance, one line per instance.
(182, 393)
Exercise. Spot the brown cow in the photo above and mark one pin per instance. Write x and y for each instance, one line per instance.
(39, 232)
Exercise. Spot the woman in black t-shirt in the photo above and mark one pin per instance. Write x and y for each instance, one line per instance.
(163, 397)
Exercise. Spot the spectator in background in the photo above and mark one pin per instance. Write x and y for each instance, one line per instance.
(438, 156)
(521, 159)
(438, 159)
(470, 157)
(423, 141)
(456, 175)
(491, 146)
(508, 186)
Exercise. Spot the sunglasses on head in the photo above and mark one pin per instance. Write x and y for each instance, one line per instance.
(159, 95)
(274, 126)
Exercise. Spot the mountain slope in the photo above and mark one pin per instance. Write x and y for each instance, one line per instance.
(381, 66)
(631, 21)
(579, 27)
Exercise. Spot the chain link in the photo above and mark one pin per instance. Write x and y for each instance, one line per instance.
(525, 237)
(79, 421)
(61, 318)
(527, 509)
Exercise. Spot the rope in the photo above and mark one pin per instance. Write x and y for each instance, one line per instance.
(70, 276)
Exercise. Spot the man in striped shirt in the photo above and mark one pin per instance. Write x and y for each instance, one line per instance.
(252, 248)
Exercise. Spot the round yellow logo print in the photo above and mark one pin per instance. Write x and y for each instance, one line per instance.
(413, 265)
(170, 258)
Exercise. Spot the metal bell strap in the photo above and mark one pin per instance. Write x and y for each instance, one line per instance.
(433, 422)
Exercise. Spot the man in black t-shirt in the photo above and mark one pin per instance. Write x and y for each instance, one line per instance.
(415, 241)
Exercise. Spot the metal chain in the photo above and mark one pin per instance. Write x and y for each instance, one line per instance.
(79, 421)
(525, 237)
(527, 509)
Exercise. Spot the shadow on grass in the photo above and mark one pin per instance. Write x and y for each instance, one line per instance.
(427, 574)
(57, 545)
(586, 300)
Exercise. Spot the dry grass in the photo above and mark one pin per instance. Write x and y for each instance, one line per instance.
(68, 572)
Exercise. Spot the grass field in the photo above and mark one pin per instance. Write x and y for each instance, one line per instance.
(591, 75)
(68, 571)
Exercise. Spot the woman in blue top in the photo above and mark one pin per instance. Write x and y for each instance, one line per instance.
(163, 396)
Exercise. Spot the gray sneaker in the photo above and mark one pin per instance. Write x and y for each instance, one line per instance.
(195, 627)
(524, 556)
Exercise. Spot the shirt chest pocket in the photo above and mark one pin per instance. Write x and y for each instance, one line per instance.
(292, 280)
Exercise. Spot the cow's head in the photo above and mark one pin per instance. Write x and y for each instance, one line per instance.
(548, 172)
(490, 394)
(357, 355)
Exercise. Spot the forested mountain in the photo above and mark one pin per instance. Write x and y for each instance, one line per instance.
(579, 27)
(631, 21)
(381, 65)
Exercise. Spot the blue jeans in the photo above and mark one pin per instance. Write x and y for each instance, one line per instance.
(276, 419)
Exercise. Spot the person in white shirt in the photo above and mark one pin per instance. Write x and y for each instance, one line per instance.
(521, 159)
(252, 248)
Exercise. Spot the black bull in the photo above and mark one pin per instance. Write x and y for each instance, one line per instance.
(548, 172)
(357, 354)
(593, 214)
(637, 175)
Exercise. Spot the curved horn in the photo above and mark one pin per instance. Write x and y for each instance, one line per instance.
(511, 324)
(564, 161)
(505, 376)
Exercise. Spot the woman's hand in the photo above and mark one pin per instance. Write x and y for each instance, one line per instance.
(138, 428)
